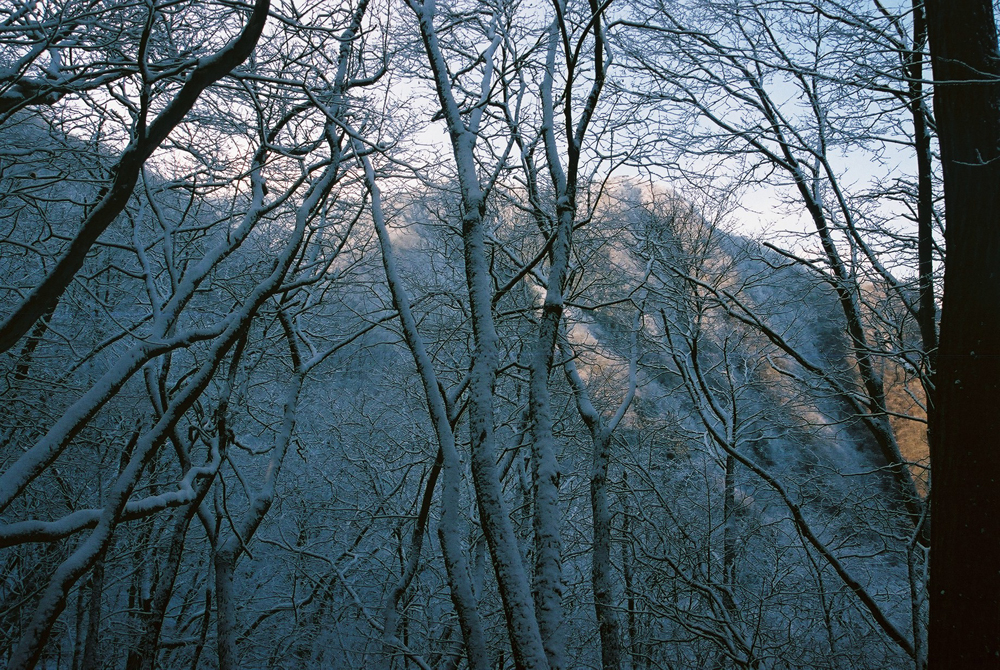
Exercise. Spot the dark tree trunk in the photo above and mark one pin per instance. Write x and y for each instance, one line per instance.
(927, 311)
(91, 650)
(965, 542)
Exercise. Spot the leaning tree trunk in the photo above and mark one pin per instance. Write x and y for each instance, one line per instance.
(965, 531)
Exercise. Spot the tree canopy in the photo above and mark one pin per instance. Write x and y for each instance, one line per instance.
(494, 334)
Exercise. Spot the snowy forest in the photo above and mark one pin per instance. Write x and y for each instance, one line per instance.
(488, 334)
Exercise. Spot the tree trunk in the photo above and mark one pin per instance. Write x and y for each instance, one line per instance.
(601, 569)
(729, 537)
(225, 605)
(91, 649)
(927, 311)
(81, 633)
(628, 557)
(548, 579)
(965, 532)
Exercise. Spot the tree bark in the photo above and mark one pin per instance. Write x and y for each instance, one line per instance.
(225, 607)
(91, 649)
(965, 531)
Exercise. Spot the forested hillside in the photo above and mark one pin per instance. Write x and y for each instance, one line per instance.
(443, 335)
